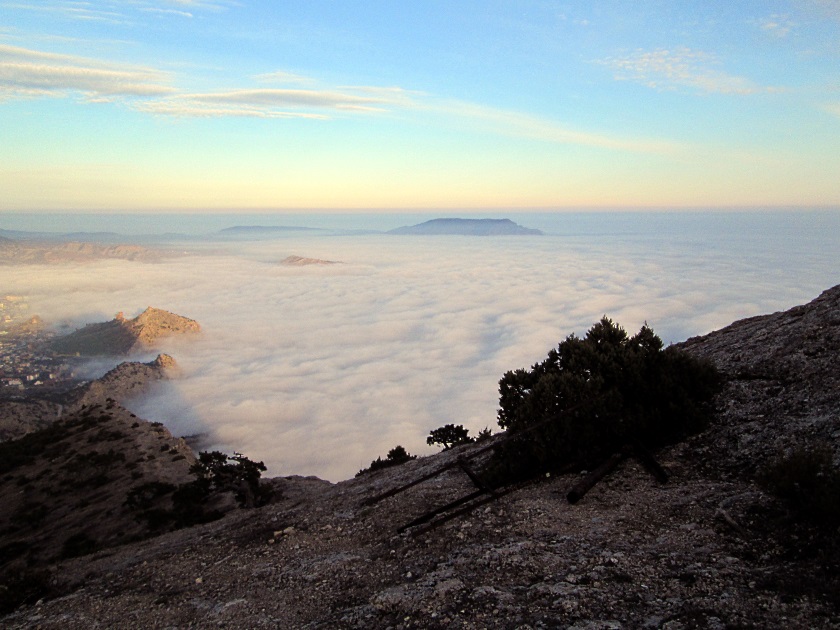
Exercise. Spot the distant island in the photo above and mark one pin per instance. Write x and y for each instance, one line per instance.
(301, 261)
(467, 227)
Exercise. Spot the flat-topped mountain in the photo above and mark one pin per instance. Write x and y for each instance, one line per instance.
(467, 227)
(121, 336)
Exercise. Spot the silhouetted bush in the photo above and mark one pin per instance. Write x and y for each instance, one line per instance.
(78, 545)
(808, 482)
(396, 456)
(224, 473)
(23, 586)
(591, 396)
(449, 436)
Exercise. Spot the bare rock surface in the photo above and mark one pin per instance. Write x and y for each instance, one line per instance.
(128, 380)
(122, 336)
(782, 384)
(708, 549)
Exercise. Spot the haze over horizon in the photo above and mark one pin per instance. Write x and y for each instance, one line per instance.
(159, 105)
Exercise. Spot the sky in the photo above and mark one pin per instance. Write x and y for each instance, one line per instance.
(203, 105)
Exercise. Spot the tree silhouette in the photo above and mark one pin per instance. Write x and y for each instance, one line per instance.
(449, 436)
(591, 396)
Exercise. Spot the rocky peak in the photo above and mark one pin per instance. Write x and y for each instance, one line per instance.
(123, 336)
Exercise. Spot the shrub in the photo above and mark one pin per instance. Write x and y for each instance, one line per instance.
(808, 482)
(396, 456)
(591, 396)
(223, 473)
(23, 586)
(78, 545)
(449, 436)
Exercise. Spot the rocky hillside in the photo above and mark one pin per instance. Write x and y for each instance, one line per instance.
(782, 384)
(129, 379)
(122, 336)
(65, 488)
(707, 549)
(42, 252)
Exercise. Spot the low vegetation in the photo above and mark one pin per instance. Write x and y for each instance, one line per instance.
(396, 456)
(592, 396)
(164, 506)
(808, 482)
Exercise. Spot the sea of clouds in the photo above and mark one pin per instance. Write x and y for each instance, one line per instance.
(317, 370)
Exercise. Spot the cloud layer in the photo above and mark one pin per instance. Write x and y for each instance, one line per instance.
(26, 73)
(320, 370)
(681, 67)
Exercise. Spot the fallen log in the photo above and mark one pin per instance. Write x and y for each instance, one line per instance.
(583, 486)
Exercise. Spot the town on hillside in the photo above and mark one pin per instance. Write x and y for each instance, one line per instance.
(27, 363)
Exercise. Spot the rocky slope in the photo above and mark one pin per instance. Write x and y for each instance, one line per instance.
(708, 549)
(64, 489)
(122, 336)
(129, 379)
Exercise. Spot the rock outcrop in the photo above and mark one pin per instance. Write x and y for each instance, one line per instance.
(126, 381)
(122, 336)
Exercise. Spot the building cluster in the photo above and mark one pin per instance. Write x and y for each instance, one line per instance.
(25, 358)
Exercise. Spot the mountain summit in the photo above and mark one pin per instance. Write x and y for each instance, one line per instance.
(467, 227)
(123, 336)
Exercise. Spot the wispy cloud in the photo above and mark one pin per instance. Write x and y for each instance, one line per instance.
(26, 73)
(682, 67)
(186, 14)
(517, 124)
(281, 77)
(84, 11)
(777, 25)
(833, 108)
(118, 11)
(266, 103)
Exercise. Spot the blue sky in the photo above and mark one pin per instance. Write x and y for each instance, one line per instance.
(221, 104)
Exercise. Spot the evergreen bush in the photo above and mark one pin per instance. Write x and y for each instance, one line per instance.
(592, 396)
